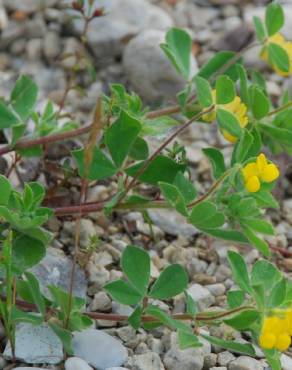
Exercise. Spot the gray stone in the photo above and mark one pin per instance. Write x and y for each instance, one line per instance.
(124, 19)
(218, 368)
(116, 368)
(52, 45)
(76, 363)
(99, 349)
(286, 362)
(149, 70)
(245, 363)
(201, 295)
(171, 222)
(216, 289)
(28, 6)
(55, 269)
(29, 368)
(34, 48)
(101, 302)
(287, 208)
(36, 345)
(3, 18)
(188, 359)
(224, 358)
(145, 361)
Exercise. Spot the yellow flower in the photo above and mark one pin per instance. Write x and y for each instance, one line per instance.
(275, 332)
(235, 107)
(279, 40)
(255, 173)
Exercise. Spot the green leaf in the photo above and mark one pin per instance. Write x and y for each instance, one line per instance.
(242, 147)
(217, 161)
(172, 281)
(135, 318)
(225, 90)
(121, 136)
(17, 132)
(259, 28)
(27, 252)
(243, 320)
(161, 168)
(34, 288)
(273, 358)
(239, 271)
(277, 295)
(135, 263)
(24, 96)
(7, 117)
(260, 226)
(243, 84)
(204, 91)
(158, 126)
(235, 298)
(266, 273)
(281, 135)
(100, 168)
(191, 306)
(205, 215)
(123, 292)
(260, 104)
(228, 121)
(257, 242)
(139, 150)
(226, 234)
(246, 349)
(65, 336)
(5, 192)
(274, 18)
(185, 187)
(22, 316)
(215, 64)
(173, 196)
(278, 57)
(188, 340)
(265, 199)
(178, 49)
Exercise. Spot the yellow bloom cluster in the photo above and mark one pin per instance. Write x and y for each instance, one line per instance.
(276, 331)
(235, 107)
(259, 171)
(279, 40)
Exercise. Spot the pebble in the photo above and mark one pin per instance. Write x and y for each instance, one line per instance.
(286, 362)
(36, 345)
(224, 358)
(148, 69)
(76, 363)
(30, 368)
(52, 45)
(216, 289)
(245, 363)
(99, 349)
(145, 361)
(101, 302)
(34, 48)
(55, 269)
(201, 296)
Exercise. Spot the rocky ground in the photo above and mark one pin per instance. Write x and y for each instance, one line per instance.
(124, 46)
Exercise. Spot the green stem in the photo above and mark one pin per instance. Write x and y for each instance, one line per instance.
(280, 109)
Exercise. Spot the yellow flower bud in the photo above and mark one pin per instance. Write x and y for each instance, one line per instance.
(270, 173)
(267, 340)
(253, 184)
(283, 342)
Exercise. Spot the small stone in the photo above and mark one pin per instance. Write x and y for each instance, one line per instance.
(101, 302)
(34, 48)
(97, 274)
(210, 360)
(287, 208)
(171, 222)
(55, 269)
(218, 368)
(224, 358)
(145, 361)
(201, 296)
(27, 6)
(126, 333)
(216, 289)
(245, 363)
(116, 368)
(98, 348)
(30, 368)
(204, 279)
(149, 70)
(286, 362)
(3, 18)
(36, 345)
(76, 363)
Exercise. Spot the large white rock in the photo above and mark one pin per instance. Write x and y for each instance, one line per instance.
(76, 363)
(124, 19)
(36, 345)
(99, 349)
(149, 70)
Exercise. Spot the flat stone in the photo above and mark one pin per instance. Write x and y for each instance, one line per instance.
(171, 222)
(55, 269)
(99, 349)
(201, 296)
(145, 361)
(76, 363)
(245, 363)
(36, 345)
(124, 19)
